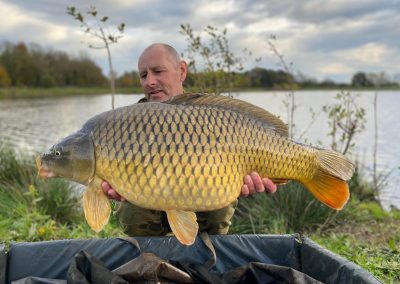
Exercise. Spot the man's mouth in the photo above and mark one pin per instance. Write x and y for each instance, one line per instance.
(154, 92)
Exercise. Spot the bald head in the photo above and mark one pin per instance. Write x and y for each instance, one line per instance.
(161, 72)
(171, 53)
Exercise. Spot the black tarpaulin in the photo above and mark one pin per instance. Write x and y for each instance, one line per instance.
(248, 254)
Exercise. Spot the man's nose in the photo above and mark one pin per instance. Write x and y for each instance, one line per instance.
(150, 79)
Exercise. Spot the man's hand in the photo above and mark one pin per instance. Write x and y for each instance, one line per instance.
(110, 192)
(253, 183)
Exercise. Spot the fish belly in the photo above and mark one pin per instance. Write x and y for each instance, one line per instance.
(190, 158)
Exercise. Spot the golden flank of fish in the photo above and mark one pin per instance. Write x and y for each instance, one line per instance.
(186, 155)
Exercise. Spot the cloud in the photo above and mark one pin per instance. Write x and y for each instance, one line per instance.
(368, 54)
(322, 11)
(335, 69)
(24, 26)
(322, 38)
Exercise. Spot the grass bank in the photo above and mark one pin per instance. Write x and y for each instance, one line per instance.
(362, 232)
(32, 209)
(26, 92)
(22, 92)
(373, 244)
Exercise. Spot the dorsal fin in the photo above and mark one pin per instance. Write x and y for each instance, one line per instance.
(272, 121)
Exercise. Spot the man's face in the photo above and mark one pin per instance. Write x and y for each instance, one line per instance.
(160, 77)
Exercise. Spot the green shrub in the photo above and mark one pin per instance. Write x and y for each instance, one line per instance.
(291, 209)
(19, 184)
(59, 199)
(395, 212)
(359, 186)
(33, 209)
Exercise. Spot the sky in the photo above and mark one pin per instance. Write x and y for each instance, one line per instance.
(322, 39)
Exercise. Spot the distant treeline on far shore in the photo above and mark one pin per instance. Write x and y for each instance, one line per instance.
(33, 66)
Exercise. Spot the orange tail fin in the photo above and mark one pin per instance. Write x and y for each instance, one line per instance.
(328, 189)
(329, 182)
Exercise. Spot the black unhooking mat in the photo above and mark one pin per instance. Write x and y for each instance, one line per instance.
(212, 259)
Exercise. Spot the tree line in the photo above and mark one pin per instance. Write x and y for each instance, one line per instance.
(33, 66)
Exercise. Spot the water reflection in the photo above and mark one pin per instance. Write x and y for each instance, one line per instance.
(34, 125)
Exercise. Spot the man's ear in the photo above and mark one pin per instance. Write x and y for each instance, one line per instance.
(183, 69)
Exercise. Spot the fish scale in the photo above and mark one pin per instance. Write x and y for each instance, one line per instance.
(189, 154)
(174, 146)
(173, 142)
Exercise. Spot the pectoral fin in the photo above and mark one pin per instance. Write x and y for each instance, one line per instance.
(184, 225)
(96, 206)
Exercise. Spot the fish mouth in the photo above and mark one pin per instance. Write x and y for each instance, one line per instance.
(43, 170)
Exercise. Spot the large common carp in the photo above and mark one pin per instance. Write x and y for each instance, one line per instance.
(186, 155)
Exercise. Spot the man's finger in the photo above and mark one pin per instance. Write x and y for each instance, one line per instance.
(245, 191)
(105, 186)
(270, 187)
(110, 192)
(258, 184)
(249, 182)
(115, 195)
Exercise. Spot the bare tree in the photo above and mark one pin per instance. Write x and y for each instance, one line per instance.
(290, 102)
(211, 61)
(375, 152)
(345, 119)
(97, 29)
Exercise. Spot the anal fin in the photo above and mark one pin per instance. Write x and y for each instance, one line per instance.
(184, 225)
(96, 206)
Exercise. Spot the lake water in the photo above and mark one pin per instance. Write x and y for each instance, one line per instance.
(33, 125)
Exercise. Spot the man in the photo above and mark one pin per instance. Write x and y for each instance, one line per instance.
(162, 74)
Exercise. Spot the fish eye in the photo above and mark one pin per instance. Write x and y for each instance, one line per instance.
(57, 153)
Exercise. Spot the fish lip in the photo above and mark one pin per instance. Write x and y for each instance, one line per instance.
(43, 170)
